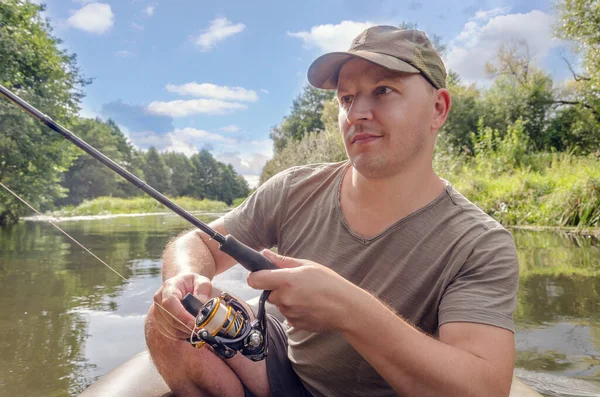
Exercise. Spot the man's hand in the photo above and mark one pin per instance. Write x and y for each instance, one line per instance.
(311, 296)
(169, 296)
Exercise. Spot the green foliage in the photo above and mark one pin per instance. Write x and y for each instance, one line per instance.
(32, 158)
(215, 180)
(464, 115)
(238, 201)
(180, 171)
(304, 118)
(87, 177)
(137, 205)
(326, 146)
(547, 189)
(579, 21)
(500, 154)
(156, 171)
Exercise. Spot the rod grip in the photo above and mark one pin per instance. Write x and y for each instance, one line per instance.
(191, 304)
(245, 255)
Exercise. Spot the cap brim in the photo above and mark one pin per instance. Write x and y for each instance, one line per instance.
(323, 72)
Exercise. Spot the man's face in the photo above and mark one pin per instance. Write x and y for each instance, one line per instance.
(385, 118)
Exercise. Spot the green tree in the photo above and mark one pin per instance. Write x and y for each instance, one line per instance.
(33, 66)
(230, 184)
(579, 21)
(156, 171)
(519, 91)
(316, 147)
(180, 171)
(304, 118)
(463, 117)
(87, 178)
(206, 171)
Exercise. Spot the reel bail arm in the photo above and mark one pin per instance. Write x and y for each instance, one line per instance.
(226, 326)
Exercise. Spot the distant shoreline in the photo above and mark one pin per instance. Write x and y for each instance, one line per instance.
(50, 218)
(594, 232)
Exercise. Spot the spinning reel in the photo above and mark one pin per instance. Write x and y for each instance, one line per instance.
(226, 326)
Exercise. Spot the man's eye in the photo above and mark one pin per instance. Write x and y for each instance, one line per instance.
(383, 90)
(347, 99)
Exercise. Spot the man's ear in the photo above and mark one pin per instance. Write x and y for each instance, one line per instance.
(442, 105)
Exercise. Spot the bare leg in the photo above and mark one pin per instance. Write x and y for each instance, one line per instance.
(199, 372)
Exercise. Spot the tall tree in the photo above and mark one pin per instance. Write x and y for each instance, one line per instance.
(156, 171)
(87, 178)
(206, 170)
(304, 118)
(32, 65)
(579, 21)
(520, 91)
(180, 171)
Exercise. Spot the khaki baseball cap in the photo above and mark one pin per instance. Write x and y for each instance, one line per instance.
(402, 50)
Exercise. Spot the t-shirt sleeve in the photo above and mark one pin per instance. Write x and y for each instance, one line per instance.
(256, 222)
(485, 288)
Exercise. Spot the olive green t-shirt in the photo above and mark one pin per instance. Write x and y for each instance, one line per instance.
(446, 262)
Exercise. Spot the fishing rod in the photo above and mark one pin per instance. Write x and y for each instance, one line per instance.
(236, 331)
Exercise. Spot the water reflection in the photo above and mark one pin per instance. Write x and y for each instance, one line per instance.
(70, 319)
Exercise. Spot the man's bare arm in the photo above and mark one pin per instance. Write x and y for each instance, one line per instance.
(196, 252)
(189, 264)
(468, 359)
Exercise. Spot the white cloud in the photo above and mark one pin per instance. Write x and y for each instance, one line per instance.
(125, 54)
(195, 106)
(137, 26)
(247, 157)
(332, 37)
(207, 90)
(480, 40)
(181, 140)
(248, 165)
(219, 30)
(94, 18)
(485, 15)
(265, 91)
(193, 133)
(149, 10)
(230, 128)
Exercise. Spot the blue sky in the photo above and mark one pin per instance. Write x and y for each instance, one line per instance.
(186, 75)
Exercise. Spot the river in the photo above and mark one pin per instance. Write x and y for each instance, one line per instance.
(66, 319)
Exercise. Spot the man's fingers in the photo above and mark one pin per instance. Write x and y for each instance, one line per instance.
(202, 290)
(268, 279)
(280, 260)
(176, 309)
(171, 327)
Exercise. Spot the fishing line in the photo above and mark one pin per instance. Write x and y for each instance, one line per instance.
(249, 335)
(87, 250)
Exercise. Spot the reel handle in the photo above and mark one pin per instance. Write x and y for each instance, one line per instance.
(191, 304)
(245, 255)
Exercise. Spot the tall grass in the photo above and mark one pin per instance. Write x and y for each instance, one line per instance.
(517, 188)
(137, 205)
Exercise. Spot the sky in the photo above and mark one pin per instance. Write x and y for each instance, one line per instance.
(190, 75)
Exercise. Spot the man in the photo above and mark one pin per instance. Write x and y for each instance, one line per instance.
(402, 286)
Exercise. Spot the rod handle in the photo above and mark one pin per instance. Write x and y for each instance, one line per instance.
(192, 304)
(245, 255)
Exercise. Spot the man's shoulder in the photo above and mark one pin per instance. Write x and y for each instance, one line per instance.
(301, 175)
(473, 226)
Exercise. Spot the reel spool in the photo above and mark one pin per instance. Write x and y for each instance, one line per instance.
(226, 326)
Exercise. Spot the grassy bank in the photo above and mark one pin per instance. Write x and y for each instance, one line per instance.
(137, 205)
(543, 189)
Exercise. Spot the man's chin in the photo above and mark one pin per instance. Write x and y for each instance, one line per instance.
(372, 166)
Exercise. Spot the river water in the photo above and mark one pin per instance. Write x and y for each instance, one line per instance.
(66, 319)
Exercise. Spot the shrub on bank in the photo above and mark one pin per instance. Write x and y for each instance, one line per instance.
(138, 205)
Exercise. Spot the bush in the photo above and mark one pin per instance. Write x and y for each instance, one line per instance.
(137, 205)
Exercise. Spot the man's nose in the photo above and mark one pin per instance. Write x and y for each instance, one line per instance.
(360, 109)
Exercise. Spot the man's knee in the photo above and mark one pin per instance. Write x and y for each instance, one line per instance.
(189, 371)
